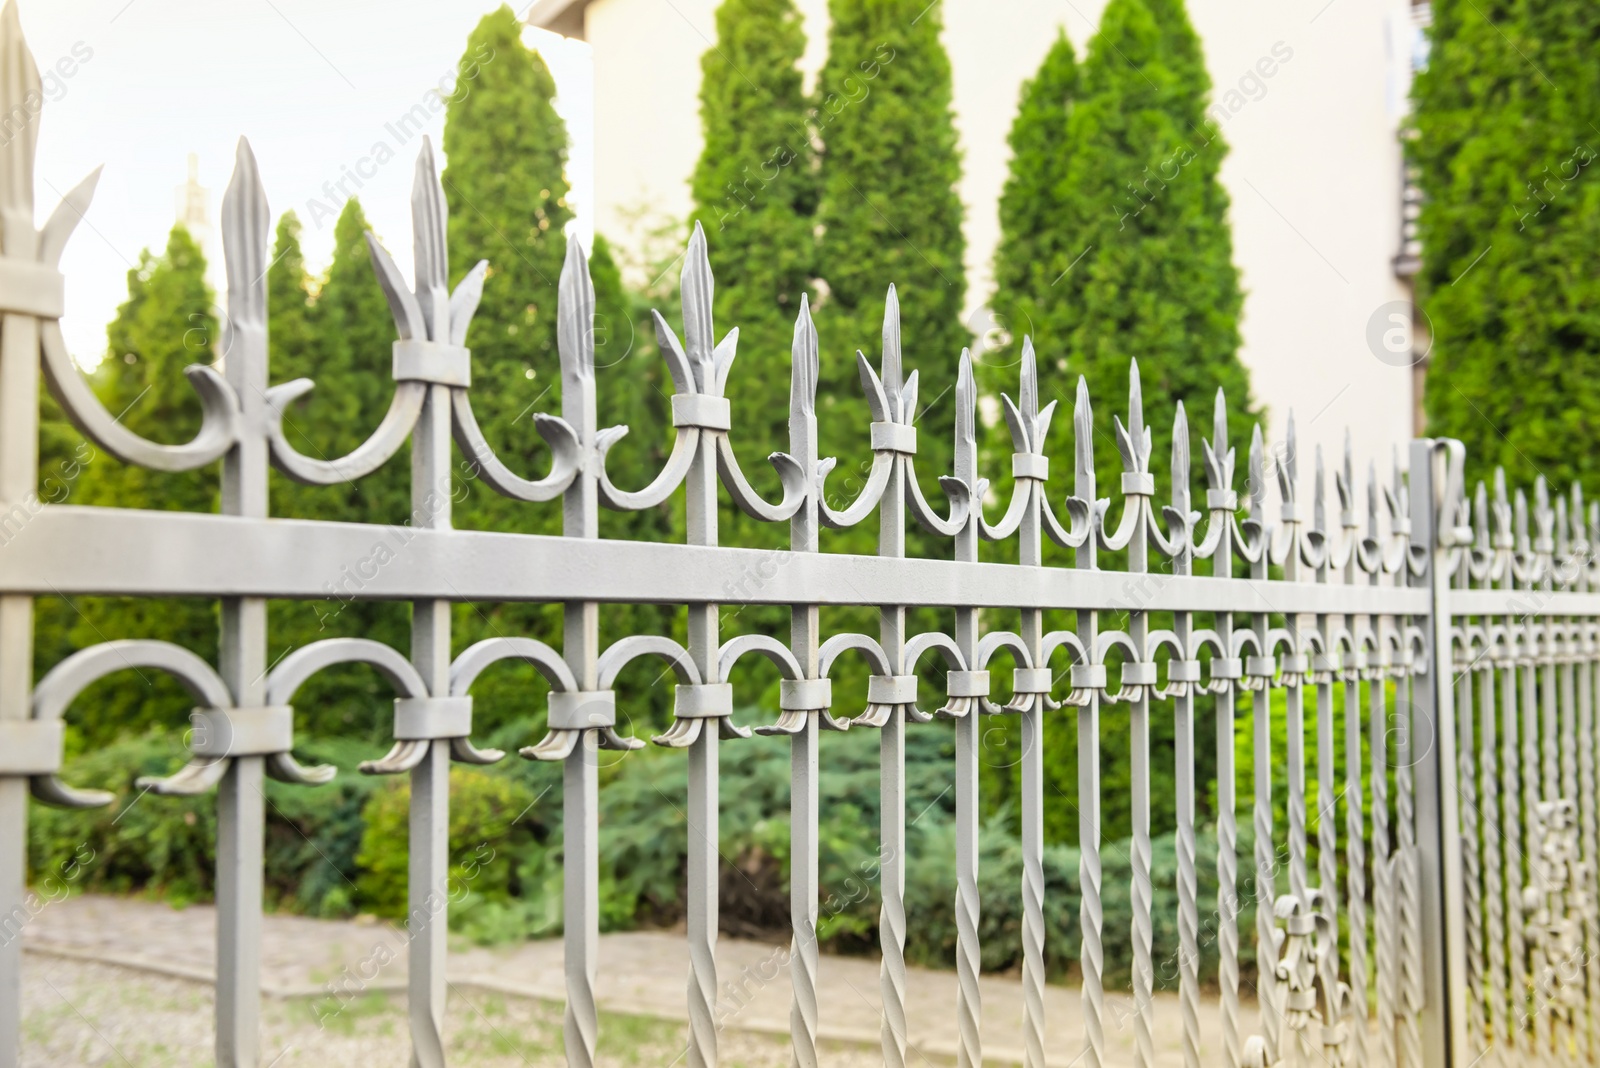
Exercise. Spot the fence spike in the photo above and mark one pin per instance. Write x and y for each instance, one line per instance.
(1029, 390)
(575, 318)
(1319, 485)
(1257, 482)
(1372, 498)
(698, 288)
(1180, 460)
(966, 416)
(245, 222)
(19, 91)
(891, 374)
(1519, 511)
(1480, 515)
(1083, 431)
(806, 365)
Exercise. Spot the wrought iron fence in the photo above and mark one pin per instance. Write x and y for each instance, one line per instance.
(1469, 839)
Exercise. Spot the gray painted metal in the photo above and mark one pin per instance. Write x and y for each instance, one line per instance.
(1477, 851)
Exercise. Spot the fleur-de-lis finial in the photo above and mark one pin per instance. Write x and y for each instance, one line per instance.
(891, 369)
(1344, 484)
(1029, 424)
(1288, 466)
(1519, 511)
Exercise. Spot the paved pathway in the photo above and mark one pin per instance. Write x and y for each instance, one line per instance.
(641, 973)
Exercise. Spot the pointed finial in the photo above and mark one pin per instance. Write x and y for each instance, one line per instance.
(575, 316)
(1291, 452)
(1319, 515)
(1029, 392)
(1257, 486)
(966, 419)
(698, 289)
(428, 222)
(1135, 403)
(806, 364)
(1082, 431)
(19, 96)
(890, 371)
(1180, 459)
(1480, 515)
(245, 223)
(1519, 511)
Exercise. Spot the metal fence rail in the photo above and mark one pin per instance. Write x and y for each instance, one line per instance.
(1466, 917)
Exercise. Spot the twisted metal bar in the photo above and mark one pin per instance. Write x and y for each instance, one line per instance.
(1511, 818)
(1383, 869)
(1467, 787)
(1493, 885)
(1221, 501)
(1261, 762)
(1184, 755)
(1409, 896)
(1134, 443)
(1590, 832)
(1091, 908)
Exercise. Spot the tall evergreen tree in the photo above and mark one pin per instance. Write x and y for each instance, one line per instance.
(1032, 239)
(507, 188)
(889, 214)
(755, 192)
(1143, 265)
(1504, 140)
(167, 323)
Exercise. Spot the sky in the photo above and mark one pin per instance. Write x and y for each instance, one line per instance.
(316, 86)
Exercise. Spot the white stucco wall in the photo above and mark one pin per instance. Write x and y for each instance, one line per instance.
(1313, 171)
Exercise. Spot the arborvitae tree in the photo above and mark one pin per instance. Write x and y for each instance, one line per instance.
(167, 323)
(1144, 267)
(507, 190)
(1504, 135)
(1032, 238)
(889, 214)
(755, 192)
(1115, 246)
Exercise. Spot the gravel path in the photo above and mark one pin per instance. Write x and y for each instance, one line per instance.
(125, 981)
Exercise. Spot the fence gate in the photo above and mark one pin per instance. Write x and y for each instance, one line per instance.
(1450, 911)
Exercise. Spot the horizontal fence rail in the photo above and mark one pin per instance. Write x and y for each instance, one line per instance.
(1449, 911)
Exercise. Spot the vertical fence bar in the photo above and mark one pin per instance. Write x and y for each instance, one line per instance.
(1222, 502)
(1183, 755)
(1413, 715)
(580, 647)
(1355, 823)
(429, 864)
(1585, 650)
(805, 624)
(241, 817)
(1570, 969)
(1438, 823)
(1493, 885)
(19, 478)
(1261, 763)
(1142, 928)
(1030, 553)
(1466, 774)
(1327, 799)
(966, 727)
(892, 745)
(1091, 911)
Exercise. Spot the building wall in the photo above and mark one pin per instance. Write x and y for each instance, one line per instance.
(1304, 97)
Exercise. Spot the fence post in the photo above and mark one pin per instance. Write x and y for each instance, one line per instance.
(1444, 1039)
